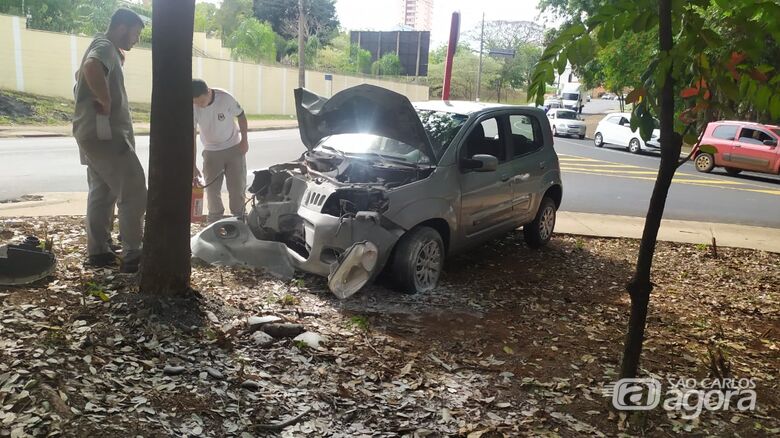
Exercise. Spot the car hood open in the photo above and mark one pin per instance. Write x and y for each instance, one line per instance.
(364, 109)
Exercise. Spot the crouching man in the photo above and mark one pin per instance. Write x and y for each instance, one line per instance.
(225, 145)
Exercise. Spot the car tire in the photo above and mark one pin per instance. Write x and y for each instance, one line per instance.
(634, 146)
(555, 132)
(704, 162)
(540, 230)
(582, 137)
(733, 171)
(418, 260)
(598, 140)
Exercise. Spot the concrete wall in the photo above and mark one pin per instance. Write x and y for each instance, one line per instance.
(45, 62)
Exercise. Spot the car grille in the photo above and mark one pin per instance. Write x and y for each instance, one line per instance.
(314, 199)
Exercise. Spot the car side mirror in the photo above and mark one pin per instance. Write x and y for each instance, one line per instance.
(480, 163)
(772, 143)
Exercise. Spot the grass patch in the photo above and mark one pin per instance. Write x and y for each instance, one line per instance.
(18, 108)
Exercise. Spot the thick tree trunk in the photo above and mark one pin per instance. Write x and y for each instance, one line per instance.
(640, 286)
(166, 259)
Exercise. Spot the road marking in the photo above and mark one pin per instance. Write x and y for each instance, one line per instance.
(693, 182)
(591, 166)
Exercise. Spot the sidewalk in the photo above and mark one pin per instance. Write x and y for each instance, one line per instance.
(585, 224)
(17, 131)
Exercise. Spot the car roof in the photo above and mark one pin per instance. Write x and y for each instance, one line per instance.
(741, 122)
(460, 107)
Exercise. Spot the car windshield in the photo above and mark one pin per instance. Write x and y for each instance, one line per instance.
(570, 96)
(441, 128)
(373, 145)
(570, 115)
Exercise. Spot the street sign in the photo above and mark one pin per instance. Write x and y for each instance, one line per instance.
(328, 77)
(502, 53)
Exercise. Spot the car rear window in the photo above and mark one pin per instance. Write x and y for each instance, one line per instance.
(725, 132)
(526, 134)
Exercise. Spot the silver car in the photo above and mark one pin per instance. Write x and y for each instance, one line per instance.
(388, 185)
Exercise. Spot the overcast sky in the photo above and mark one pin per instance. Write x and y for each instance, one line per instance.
(386, 14)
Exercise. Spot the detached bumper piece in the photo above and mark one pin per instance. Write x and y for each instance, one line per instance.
(25, 263)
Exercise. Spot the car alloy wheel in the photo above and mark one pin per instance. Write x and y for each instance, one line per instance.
(704, 162)
(598, 140)
(418, 260)
(428, 266)
(634, 147)
(540, 230)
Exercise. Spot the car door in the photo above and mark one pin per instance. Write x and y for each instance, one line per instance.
(751, 153)
(623, 133)
(609, 128)
(528, 162)
(486, 197)
(723, 139)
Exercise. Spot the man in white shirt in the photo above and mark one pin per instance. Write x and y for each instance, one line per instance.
(224, 151)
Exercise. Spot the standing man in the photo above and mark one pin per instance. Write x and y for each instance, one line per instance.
(224, 150)
(104, 132)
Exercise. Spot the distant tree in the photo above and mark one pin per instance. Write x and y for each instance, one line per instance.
(282, 15)
(206, 18)
(388, 65)
(230, 15)
(253, 41)
(501, 34)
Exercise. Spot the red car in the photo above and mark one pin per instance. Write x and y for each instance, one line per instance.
(739, 146)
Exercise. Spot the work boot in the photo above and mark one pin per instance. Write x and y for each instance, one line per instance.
(101, 260)
(130, 263)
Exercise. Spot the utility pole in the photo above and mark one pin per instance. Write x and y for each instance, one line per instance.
(479, 69)
(301, 51)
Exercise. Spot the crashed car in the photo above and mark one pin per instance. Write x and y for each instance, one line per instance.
(386, 185)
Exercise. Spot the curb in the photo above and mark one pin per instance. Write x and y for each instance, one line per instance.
(43, 134)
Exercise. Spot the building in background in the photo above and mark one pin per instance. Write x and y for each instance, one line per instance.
(417, 14)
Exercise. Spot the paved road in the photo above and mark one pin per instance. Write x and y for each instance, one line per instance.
(609, 181)
(613, 181)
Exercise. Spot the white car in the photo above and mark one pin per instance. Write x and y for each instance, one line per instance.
(566, 122)
(615, 128)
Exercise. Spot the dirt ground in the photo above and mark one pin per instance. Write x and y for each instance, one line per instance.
(515, 342)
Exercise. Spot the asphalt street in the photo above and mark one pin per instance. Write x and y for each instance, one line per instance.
(607, 180)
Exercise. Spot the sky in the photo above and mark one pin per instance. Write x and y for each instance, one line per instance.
(386, 14)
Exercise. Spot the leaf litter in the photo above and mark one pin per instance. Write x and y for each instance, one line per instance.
(514, 342)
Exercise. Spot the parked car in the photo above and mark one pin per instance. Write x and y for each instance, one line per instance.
(385, 184)
(566, 122)
(615, 128)
(609, 96)
(739, 146)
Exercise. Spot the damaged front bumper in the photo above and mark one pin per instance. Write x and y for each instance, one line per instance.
(348, 250)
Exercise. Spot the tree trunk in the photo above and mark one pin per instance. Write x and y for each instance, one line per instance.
(640, 286)
(301, 48)
(166, 258)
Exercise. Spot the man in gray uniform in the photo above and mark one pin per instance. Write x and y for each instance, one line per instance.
(104, 132)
